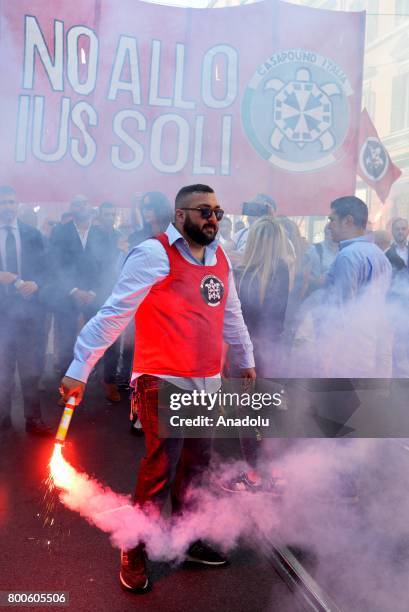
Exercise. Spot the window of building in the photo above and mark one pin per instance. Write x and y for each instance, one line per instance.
(401, 11)
(400, 102)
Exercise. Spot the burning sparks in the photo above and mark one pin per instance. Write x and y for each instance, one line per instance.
(62, 473)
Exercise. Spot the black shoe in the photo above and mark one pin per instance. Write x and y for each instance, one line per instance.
(199, 552)
(133, 575)
(5, 423)
(36, 427)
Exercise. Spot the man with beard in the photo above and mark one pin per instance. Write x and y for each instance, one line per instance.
(180, 288)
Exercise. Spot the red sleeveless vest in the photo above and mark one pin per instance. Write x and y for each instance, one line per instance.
(179, 325)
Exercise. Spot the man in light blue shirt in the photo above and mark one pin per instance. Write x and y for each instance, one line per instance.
(360, 264)
(182, 303)
(345, 332)
(353, 338)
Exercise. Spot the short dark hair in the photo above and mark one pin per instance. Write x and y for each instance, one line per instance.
(7, 190)
(186, 191)
(351, 205)
(106, 205)
(398, 219)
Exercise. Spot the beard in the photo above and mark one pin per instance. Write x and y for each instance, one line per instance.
(200, 236)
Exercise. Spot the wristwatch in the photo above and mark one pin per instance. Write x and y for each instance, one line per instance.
(17, 283)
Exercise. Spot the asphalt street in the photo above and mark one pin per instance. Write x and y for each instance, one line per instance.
(49, 548)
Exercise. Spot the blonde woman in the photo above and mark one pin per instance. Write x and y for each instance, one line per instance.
(263, 286)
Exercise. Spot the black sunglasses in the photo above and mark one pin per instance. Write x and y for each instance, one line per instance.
(206, 213)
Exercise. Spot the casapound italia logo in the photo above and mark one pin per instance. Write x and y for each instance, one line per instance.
(296, 110)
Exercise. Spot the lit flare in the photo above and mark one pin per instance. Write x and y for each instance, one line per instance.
(62, 473)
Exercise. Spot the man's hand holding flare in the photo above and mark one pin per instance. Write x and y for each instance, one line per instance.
(70, 387)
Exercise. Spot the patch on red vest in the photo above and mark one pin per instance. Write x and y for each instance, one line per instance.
(212, 290)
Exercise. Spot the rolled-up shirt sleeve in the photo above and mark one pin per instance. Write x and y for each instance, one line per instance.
(146, 265)
(235, 332)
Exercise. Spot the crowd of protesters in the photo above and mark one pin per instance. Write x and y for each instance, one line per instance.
(54, 280)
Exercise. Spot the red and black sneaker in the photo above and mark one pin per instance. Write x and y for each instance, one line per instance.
(133, 576)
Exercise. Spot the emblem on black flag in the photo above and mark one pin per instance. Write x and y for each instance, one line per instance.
(212, 290)
(374, 159)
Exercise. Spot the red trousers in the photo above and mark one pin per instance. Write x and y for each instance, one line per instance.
(170, 465)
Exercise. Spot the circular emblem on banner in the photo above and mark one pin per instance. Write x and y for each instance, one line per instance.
(373, 159)
(296, 110)
(212, 290)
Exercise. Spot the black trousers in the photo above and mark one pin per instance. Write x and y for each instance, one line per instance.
(21, 346)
